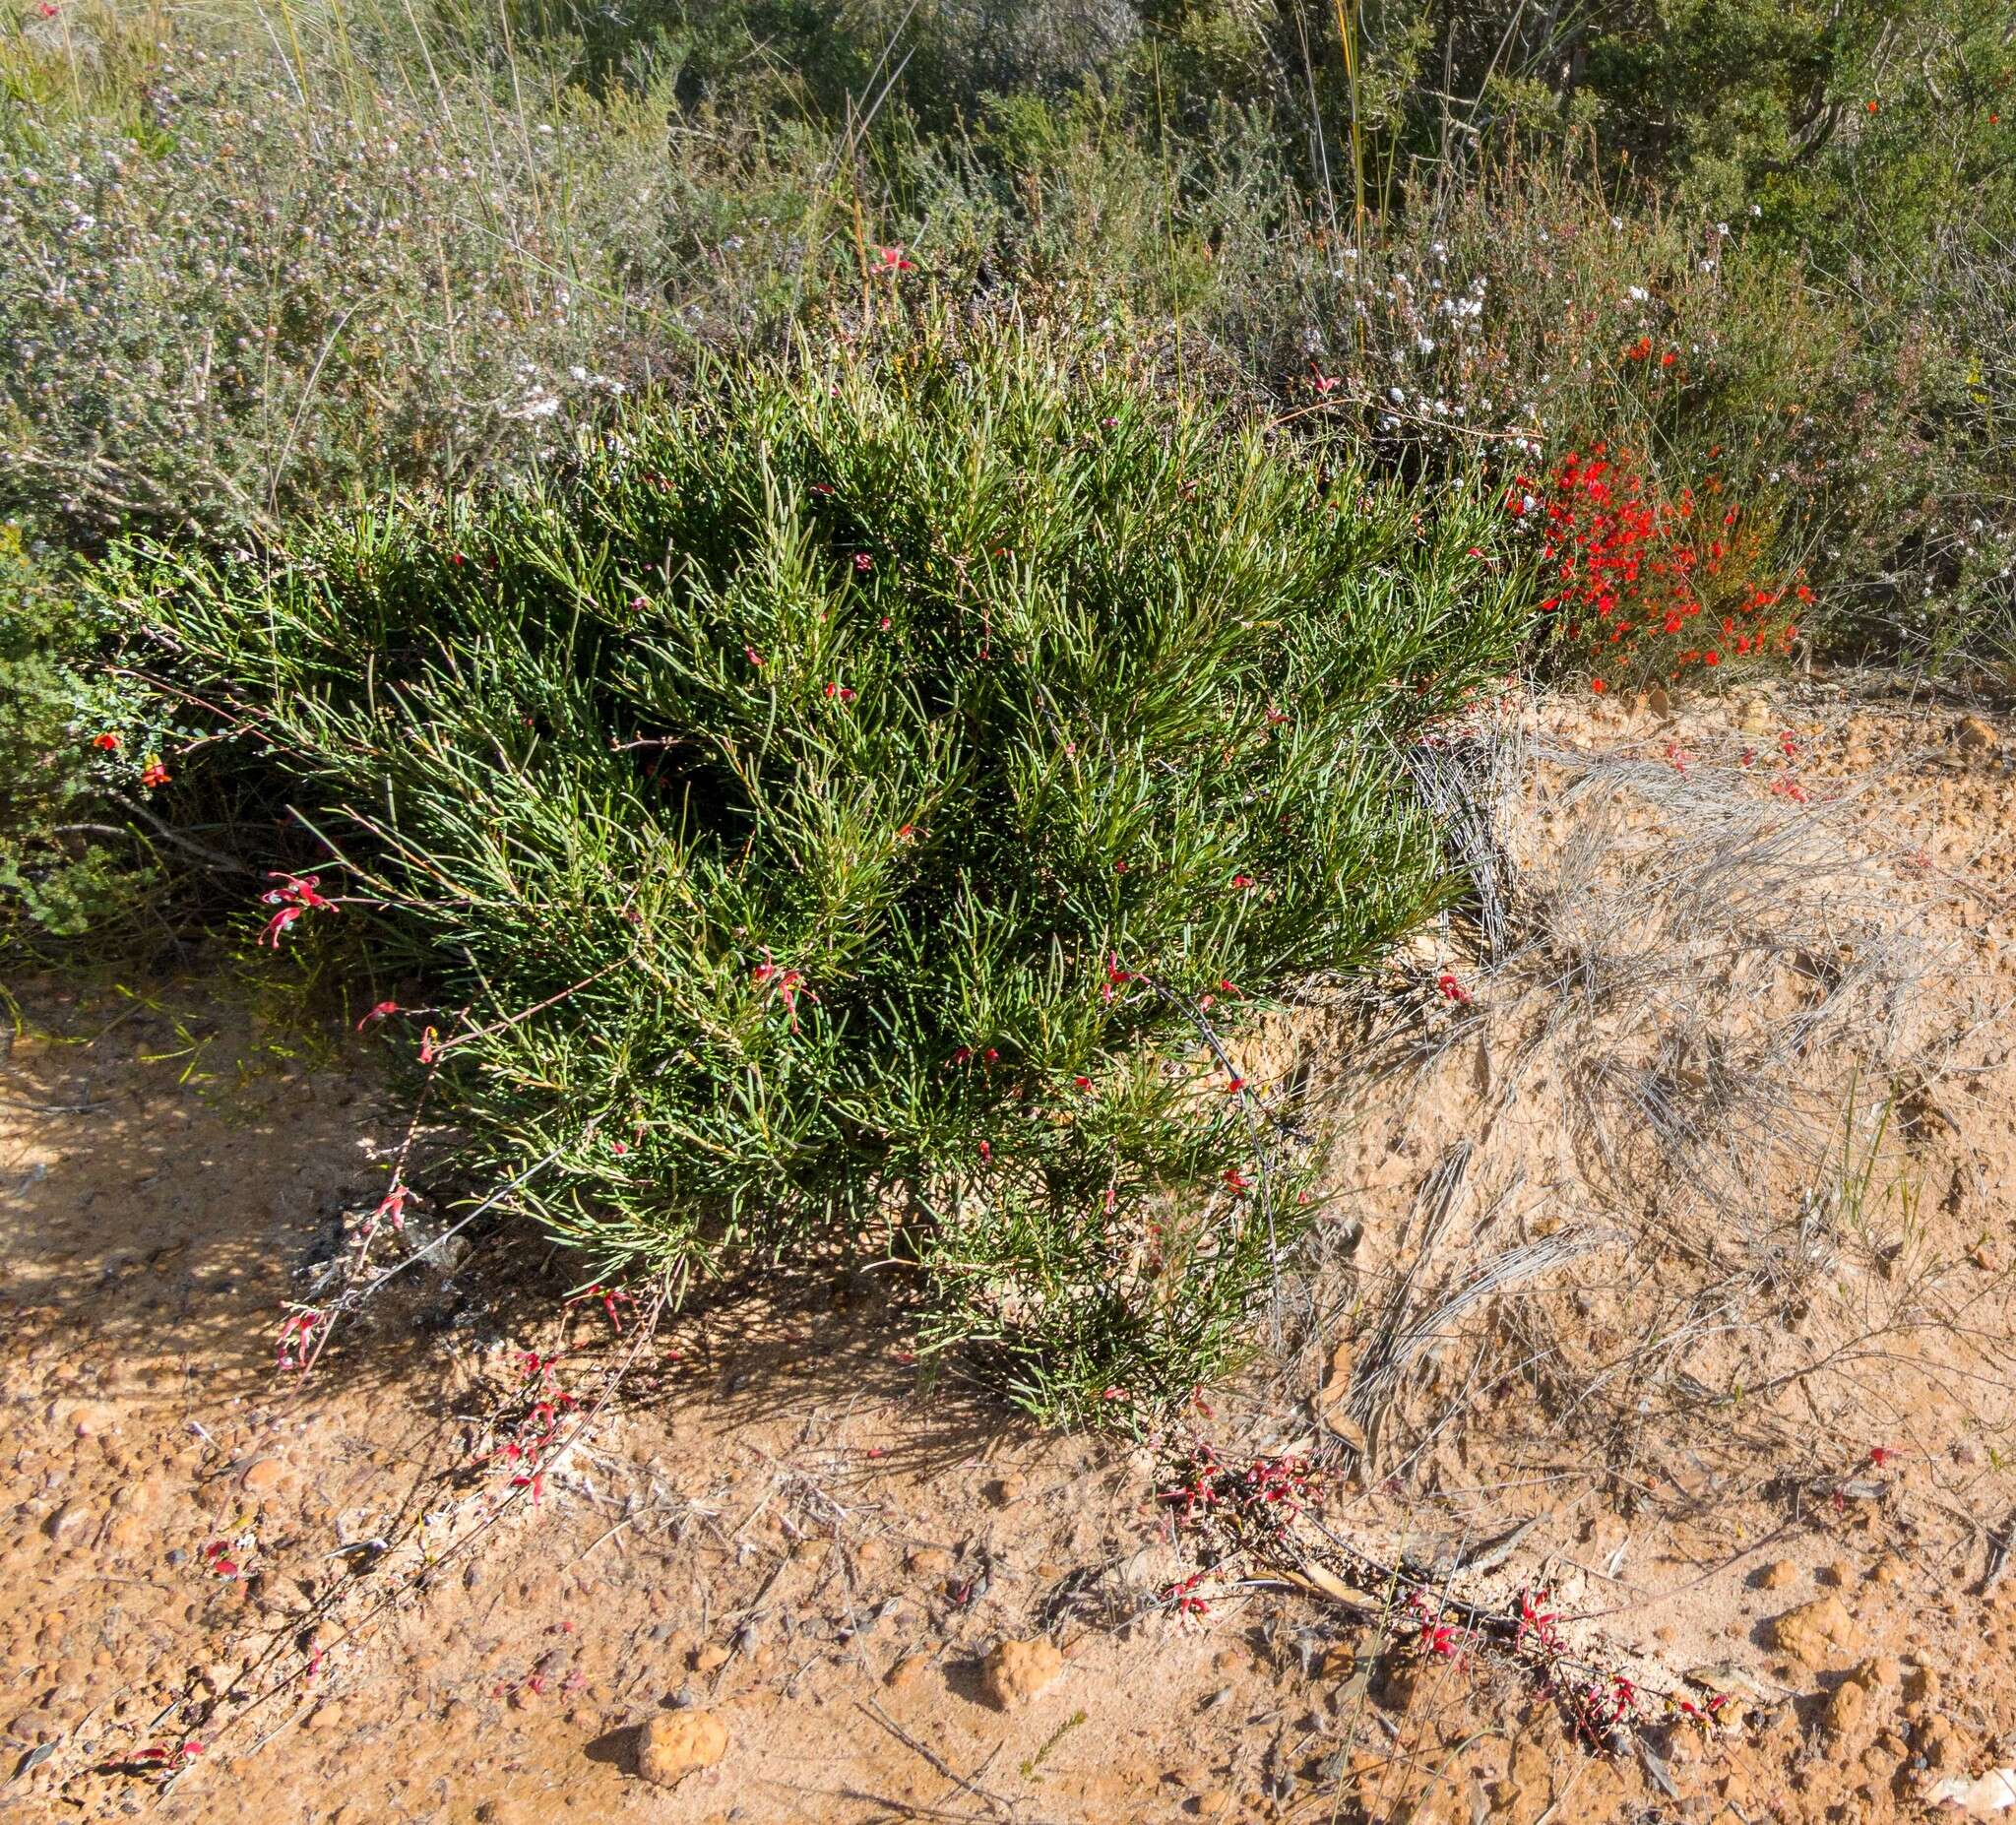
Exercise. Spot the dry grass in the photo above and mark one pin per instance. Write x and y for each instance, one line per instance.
(1674, 1163)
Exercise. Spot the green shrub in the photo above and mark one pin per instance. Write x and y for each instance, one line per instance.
(70, 748)
(832, 815)
(228, 301)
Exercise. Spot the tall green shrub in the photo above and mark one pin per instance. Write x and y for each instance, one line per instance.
(837, 814)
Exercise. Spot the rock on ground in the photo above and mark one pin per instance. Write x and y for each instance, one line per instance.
(1015, 1671)
(672, 1746)
(1816, 1633)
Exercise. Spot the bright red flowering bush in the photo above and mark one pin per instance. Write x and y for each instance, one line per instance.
(1644, 585)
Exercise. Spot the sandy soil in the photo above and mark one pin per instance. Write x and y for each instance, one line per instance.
(1748, 1365)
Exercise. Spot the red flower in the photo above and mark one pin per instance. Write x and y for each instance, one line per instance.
(153, 773)
(378, 1013)
(1236, 1180)
(107, 741)
(789, 984)
(863, 563)
(1451, 989)
(608, 1298)
(891, 260)
(296, 1334)
(294, 897)
(1242, 882)
(1322, 382)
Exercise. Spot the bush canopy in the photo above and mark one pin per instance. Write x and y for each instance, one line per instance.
(841, 813)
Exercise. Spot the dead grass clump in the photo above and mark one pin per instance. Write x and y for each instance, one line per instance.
(1665, 1158)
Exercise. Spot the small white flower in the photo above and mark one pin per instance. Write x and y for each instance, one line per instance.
(1638, 295)
(1396, 395)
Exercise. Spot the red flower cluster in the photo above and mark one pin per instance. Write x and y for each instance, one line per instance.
(535, 1439)
(1268, 1493)
(1634, 576)
(1183, 1595)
